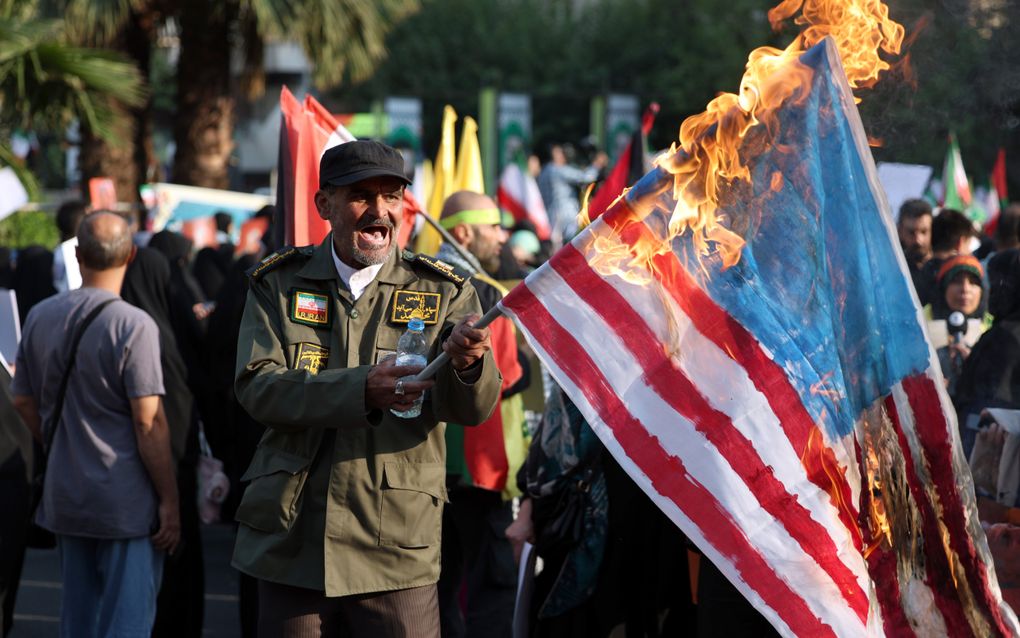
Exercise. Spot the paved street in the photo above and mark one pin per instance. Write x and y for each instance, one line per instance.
(38, 607)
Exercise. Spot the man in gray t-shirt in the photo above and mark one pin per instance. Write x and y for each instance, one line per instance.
(109, 495)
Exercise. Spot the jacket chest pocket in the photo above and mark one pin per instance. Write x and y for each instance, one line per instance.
(271, 502)
(386, 343)
(308, 348)
(411, 510)
(389, 335)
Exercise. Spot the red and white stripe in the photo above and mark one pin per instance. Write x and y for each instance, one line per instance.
(708, 425)
(928, 433)
(686, 427)
(518, 194)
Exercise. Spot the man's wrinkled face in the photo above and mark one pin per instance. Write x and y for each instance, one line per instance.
(365, 217)
(964, 293)
(915, 237)
(486, 242)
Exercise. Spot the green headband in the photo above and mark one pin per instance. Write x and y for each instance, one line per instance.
(488, 216)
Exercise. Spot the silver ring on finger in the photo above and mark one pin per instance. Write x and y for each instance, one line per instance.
(398, 389)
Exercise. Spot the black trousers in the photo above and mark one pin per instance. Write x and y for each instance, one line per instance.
(477, 585)
(180, 607)
(15, 508)
(296, 612)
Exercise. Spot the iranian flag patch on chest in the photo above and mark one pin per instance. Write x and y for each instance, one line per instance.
(309, 308)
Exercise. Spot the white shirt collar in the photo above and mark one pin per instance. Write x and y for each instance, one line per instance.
(355, 279)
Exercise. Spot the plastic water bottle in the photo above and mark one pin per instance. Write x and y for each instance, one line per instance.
(411, 351)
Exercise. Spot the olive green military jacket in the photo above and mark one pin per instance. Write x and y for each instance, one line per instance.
(342, 498)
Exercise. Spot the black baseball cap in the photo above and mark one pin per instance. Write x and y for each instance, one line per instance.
(354, 161)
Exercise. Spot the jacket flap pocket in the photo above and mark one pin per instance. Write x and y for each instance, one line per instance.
(428, 478)
(268, 460)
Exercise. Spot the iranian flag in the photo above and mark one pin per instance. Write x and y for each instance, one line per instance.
(518, 193)
(955, 179)
(629, 167)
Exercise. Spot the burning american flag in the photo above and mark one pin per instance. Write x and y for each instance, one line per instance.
(740, 332)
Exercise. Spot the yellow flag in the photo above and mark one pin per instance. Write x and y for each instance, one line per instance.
(428, 240)
(469, 160)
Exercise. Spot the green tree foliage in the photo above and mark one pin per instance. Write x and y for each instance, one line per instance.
(341, 38)
(45, 83)
(564, 53)
(963, 77)
(963, 55)
(29, 228)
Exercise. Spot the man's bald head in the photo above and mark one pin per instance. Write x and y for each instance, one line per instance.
(473, 221)
(104, 241)
(468, 200)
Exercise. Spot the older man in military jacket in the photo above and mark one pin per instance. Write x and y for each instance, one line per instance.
(341, 520)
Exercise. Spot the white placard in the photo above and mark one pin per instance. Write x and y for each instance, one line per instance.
(10, 326)
(902, 182)
(525, 591)
(72, 273)
(1008, 419)
(12, 193)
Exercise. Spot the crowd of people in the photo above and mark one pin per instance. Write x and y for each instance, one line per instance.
(969, 286)
(350, 519)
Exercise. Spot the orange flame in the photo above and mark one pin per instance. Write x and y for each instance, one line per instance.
(711, 141)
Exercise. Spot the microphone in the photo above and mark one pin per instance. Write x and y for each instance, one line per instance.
(956, 324)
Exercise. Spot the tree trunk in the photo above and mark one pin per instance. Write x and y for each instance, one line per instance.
(204, 129)
(129, 159)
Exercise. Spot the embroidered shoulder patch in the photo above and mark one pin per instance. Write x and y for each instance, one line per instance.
(408, 304)
(310, 308)
(311, 357)
(439, 267)
(277, 259)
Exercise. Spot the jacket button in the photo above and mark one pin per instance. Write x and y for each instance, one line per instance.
(354, 313)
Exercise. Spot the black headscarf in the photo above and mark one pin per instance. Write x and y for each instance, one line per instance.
(210, 269)
(33, 278)
(177, 249)
(147, 286)
(1004, 282)
(991, 374)
(185, 292)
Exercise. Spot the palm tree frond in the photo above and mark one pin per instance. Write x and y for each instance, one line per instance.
(46, 82)
(99, 72)
(18, 38)
(347, 38)
(94, 21)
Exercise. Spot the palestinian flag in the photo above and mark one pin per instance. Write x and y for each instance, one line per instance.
(629, 167)
(488, 455)
(307, 130)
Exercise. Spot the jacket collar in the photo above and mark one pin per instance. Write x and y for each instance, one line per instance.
(320, 267)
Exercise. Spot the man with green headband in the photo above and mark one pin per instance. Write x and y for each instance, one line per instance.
(473, 219)
(481, 464)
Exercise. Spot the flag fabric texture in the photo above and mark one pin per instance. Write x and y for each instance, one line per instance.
(997, 191)
(999, 177)
(518, 194)
(307, 130)
(469, 175)
(955, 179)
(428, 239)
(628, 168)
(489, 454)
(787, 412)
